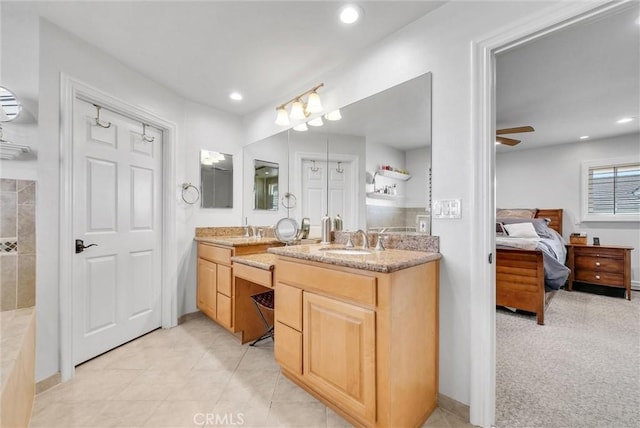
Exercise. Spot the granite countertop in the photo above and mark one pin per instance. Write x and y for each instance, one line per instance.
(236, 241)
(377, 261)
(263, 261)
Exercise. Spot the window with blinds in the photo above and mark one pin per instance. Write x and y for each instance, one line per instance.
(612, 191)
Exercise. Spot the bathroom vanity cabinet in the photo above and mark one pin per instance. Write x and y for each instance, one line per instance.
(215, 291)
(363, 342)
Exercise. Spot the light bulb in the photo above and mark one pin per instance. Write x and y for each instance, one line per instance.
(313, 103)
(302, 127)
(350, 14)
(334, 115)
(316, 122)
(297, 111)
(283, 117)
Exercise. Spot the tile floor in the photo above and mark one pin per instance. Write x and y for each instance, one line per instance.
(194, 375)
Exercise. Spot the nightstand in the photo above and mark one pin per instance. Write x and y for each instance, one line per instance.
(609, 266)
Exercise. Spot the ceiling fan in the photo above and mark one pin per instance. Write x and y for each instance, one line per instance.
(511, 141)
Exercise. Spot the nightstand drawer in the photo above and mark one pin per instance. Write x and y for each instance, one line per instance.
(601, 264)
(603, 278)
(599, 252)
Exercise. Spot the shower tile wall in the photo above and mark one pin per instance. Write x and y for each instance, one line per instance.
(17, 244)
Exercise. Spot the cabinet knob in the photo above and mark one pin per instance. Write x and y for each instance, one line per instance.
(597, 263)
(597, 276)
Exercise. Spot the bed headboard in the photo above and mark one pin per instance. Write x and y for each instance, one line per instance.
(555, 215)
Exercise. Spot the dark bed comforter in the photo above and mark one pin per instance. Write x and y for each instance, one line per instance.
(554, 254)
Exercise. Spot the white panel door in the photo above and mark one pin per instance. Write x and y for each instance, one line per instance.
(316, 187)
(117, 206)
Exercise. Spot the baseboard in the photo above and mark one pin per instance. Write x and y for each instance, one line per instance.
(187, 317)
(48, 383)
(635, 285)
(459, 409)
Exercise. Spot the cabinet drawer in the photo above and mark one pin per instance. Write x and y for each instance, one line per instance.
(215, 254)
(288, 347)
(224, 280)
(351, 286)
(601, 264)
(224, 310)
(599, 252)
(253, 274)
(288, 305)
(603, 278)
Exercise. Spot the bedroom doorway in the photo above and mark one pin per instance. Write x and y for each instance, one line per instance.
(483, 331)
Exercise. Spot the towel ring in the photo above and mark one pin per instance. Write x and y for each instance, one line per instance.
(291, 200)
(185, 188)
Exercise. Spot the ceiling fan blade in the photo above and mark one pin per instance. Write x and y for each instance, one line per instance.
(507, 141)
(515, 130)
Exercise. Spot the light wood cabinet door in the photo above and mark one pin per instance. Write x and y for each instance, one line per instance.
(206, 290)
(224, 311)
(339, 353)
(224, 280)
(288, 347)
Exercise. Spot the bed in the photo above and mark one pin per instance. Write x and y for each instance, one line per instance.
(520, 270)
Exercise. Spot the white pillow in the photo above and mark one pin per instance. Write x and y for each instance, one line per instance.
(521, 230)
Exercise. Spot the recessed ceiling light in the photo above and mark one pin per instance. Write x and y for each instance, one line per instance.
(584, 137)
(236, 96)
(624, 120)
(350, 13)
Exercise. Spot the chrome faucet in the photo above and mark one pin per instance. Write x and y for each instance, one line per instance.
(365, 238)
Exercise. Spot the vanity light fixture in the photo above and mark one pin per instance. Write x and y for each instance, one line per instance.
(302, 127)
(333, 115)
(316, 122)
(300, 109)
(624, 120)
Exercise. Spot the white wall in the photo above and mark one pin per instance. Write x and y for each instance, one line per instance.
(197, 127)
(417, 162)
(550, 177)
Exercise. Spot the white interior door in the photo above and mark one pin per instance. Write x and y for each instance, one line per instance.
(117, 205)
(315, 188)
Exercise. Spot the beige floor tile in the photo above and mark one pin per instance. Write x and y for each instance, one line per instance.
(92, 386)
(288, 392)
(180, 414)
(152, 385)
(259, 357)
(201, 385)
(437, 420)
(246, 414)
(306, 415)
(175, 359)
(67, 414)
(121, 414)
(250, 385)
(221, 358)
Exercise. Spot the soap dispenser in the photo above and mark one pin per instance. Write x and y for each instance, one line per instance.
(325, 229)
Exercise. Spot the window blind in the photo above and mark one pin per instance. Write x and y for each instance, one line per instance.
(614, 190)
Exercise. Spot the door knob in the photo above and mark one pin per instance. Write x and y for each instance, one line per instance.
(80, 247)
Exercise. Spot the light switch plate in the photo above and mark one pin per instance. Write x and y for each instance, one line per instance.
(447, 208)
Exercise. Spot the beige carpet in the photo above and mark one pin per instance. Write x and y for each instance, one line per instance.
(581, 369)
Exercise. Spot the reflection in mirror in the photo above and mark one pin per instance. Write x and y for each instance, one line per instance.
(10, 107)
(265, 185)
(396, 126)
(274, 150)
(216, 179)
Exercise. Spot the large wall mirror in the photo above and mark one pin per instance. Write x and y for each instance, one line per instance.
(216, 179)
(372, 166)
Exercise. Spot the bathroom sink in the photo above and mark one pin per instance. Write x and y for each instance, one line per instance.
(347, 251)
